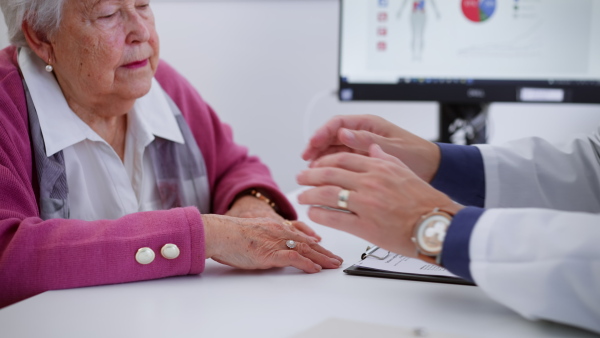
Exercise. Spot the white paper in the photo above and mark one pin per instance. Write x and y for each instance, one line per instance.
(398, 263)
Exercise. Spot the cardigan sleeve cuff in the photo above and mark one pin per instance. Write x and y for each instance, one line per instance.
(461, 174)
(197, 240)
(455, 253)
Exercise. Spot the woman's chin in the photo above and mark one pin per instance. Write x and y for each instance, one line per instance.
(140, 92)
(134, 88)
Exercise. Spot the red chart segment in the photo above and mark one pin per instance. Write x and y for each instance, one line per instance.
(478, 10)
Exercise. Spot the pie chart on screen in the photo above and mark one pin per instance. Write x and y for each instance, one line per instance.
(478, 10)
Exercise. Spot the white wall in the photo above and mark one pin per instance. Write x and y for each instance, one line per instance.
(260, 64)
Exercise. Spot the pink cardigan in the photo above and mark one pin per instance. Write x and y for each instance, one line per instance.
(37, 255)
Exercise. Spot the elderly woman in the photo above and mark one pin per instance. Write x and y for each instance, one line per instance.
(111, 163)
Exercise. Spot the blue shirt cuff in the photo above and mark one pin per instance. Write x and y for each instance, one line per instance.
(455, 253)
(461, 174)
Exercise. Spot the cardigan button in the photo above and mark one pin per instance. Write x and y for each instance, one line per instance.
(145, 256)
(170, 251)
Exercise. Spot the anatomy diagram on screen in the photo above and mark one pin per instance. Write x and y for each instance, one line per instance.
(418, 21)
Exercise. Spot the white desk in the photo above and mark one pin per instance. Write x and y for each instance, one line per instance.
(224, 302)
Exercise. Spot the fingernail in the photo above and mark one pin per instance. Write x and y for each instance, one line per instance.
(335, 262)
(318, 267)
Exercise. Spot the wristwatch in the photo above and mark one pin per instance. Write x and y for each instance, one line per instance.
(430, 232)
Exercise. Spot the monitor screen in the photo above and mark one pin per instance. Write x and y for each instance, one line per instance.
(470, 51)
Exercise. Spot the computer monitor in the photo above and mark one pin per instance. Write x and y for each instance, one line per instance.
(466, 54)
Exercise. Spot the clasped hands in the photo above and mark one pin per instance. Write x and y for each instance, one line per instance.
(386, 170)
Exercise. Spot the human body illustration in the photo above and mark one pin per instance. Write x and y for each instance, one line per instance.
(418, 20)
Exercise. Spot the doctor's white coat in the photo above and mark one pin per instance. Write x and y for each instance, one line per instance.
(537, 248)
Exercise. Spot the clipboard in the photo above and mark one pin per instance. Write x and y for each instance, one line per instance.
(372, 264)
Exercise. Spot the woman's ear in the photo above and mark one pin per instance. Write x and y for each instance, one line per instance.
(38, 42)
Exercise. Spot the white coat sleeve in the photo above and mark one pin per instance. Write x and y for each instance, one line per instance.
(533, 173)
(544, 264)
(536, 247)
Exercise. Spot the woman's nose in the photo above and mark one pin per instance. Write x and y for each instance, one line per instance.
(138, 28)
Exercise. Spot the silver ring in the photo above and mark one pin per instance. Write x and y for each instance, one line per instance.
(290, 244)
(343, 198)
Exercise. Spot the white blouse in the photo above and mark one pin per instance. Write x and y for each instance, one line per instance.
(101, 186)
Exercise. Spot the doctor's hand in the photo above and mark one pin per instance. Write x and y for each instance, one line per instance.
(356, 133)
(262, 243)
(385, 202)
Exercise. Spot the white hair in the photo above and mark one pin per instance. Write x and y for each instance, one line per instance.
(43, 15)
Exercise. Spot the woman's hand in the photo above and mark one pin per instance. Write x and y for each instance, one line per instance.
(386, 198)
(260, 243)
(356, 133)
(251, 207)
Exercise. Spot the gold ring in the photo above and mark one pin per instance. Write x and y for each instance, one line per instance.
(286, 222)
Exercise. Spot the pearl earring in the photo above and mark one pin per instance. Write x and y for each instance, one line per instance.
(49, 67)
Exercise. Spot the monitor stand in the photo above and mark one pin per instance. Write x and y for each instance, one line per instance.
(463, 123)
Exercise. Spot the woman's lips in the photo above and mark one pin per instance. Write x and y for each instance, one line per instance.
(136, 64)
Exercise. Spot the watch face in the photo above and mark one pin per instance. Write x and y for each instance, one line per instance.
(432, 233)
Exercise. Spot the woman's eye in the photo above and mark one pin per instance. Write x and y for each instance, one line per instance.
(107, 16)
(144, 4)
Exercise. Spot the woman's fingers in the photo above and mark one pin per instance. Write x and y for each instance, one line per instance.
(326, 259)
(322, 255)
(302, 253)
(285, 258)
(301, 226)
(329, 254)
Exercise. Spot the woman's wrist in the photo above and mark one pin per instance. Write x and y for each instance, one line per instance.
(251, 207)
(257, 194)
(213, 228)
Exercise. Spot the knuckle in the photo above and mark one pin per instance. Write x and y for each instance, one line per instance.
(324, 194)
(371, 183)
(293, 255)
(381, 166)
(304, 249)
(328, 174)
